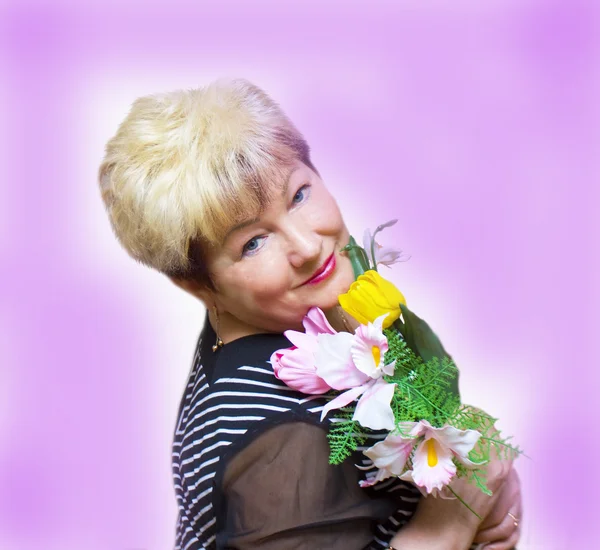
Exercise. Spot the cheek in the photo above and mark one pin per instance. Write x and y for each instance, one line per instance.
(259, 284)
(327, 213)
(262, 298)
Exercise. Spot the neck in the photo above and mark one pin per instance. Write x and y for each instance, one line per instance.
(340, 320)
(230, 328)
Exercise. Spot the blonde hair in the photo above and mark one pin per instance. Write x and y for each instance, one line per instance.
(185, 166)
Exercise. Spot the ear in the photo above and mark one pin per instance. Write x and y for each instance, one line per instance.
(195, 289)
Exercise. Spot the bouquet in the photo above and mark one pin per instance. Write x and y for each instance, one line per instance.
(391, 374)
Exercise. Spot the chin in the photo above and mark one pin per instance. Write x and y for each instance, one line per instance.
(338, 285)
(345, 277)
(328, 303)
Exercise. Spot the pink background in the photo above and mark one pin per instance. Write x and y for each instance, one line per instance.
(475, 123)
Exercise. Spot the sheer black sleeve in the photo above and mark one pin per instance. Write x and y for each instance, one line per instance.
(281, 493)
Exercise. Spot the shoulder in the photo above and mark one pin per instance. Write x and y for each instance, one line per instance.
(243, 372)
(233, 396)
(240, 375)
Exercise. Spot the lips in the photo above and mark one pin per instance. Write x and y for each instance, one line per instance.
(323, 272)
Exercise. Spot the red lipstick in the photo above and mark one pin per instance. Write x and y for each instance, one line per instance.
(323, 272)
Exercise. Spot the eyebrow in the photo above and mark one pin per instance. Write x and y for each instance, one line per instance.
(240, 225)
(246, 223)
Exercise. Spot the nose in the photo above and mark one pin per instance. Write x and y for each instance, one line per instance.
(305, 244)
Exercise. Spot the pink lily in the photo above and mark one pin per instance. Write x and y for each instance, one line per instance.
(323, 359)
(433, 467)
(390, 456)
(433, 450)
(355, 363)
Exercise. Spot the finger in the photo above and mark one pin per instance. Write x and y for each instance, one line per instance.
(508, 497)
(508, 544)
(504, 529)
(496, 515)
(499, 532)
(498, 471)
(517, 512)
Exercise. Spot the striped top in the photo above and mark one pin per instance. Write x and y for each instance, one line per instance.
(231, 398)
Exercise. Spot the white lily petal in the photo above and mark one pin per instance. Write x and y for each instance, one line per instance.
(432, 465)
(378, 324)
(374, 478)
(368, 339)
(333, 361)
(391, 453)
(444, 493)
(420, 428)
(465, 461)
(389, 368)
(458, 441)
(408, 476)
(373, 409)
(388, 256)
(342, 400)
(384, 225)
(405, 429)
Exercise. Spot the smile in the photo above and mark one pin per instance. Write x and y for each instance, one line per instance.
(323, 272)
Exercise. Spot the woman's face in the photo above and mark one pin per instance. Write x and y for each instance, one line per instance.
(269, 271)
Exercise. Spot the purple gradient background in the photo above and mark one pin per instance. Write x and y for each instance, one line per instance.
(475, 123)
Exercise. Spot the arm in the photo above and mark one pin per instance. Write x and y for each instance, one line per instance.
(281, 492)
(438, 524)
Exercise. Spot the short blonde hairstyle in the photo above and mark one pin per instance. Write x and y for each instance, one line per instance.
(185, 166)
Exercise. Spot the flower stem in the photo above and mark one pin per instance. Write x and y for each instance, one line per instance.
(461, 500)
(357, 257)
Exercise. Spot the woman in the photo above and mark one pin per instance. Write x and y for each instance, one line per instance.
(215, 188)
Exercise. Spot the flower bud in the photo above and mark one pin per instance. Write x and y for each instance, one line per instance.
(371, 296)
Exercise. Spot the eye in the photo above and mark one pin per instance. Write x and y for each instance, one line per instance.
(302, 194)
(252, 246)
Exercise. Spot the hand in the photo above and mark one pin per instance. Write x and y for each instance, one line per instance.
(447, 524)
(499, 527)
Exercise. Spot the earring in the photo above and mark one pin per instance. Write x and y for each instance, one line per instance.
(219, 342)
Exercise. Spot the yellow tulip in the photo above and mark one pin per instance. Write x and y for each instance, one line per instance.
(371, 296)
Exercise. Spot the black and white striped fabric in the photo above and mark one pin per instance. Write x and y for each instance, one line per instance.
(225, 407)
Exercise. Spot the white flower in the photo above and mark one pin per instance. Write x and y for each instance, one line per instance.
(354, 362)
(434, 449)
(390, 456)
(433, 467)
(369, 348)
(383, 255)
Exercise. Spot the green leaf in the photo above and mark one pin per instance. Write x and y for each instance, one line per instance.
(358, 258)
(423, 341)
(344, 437)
